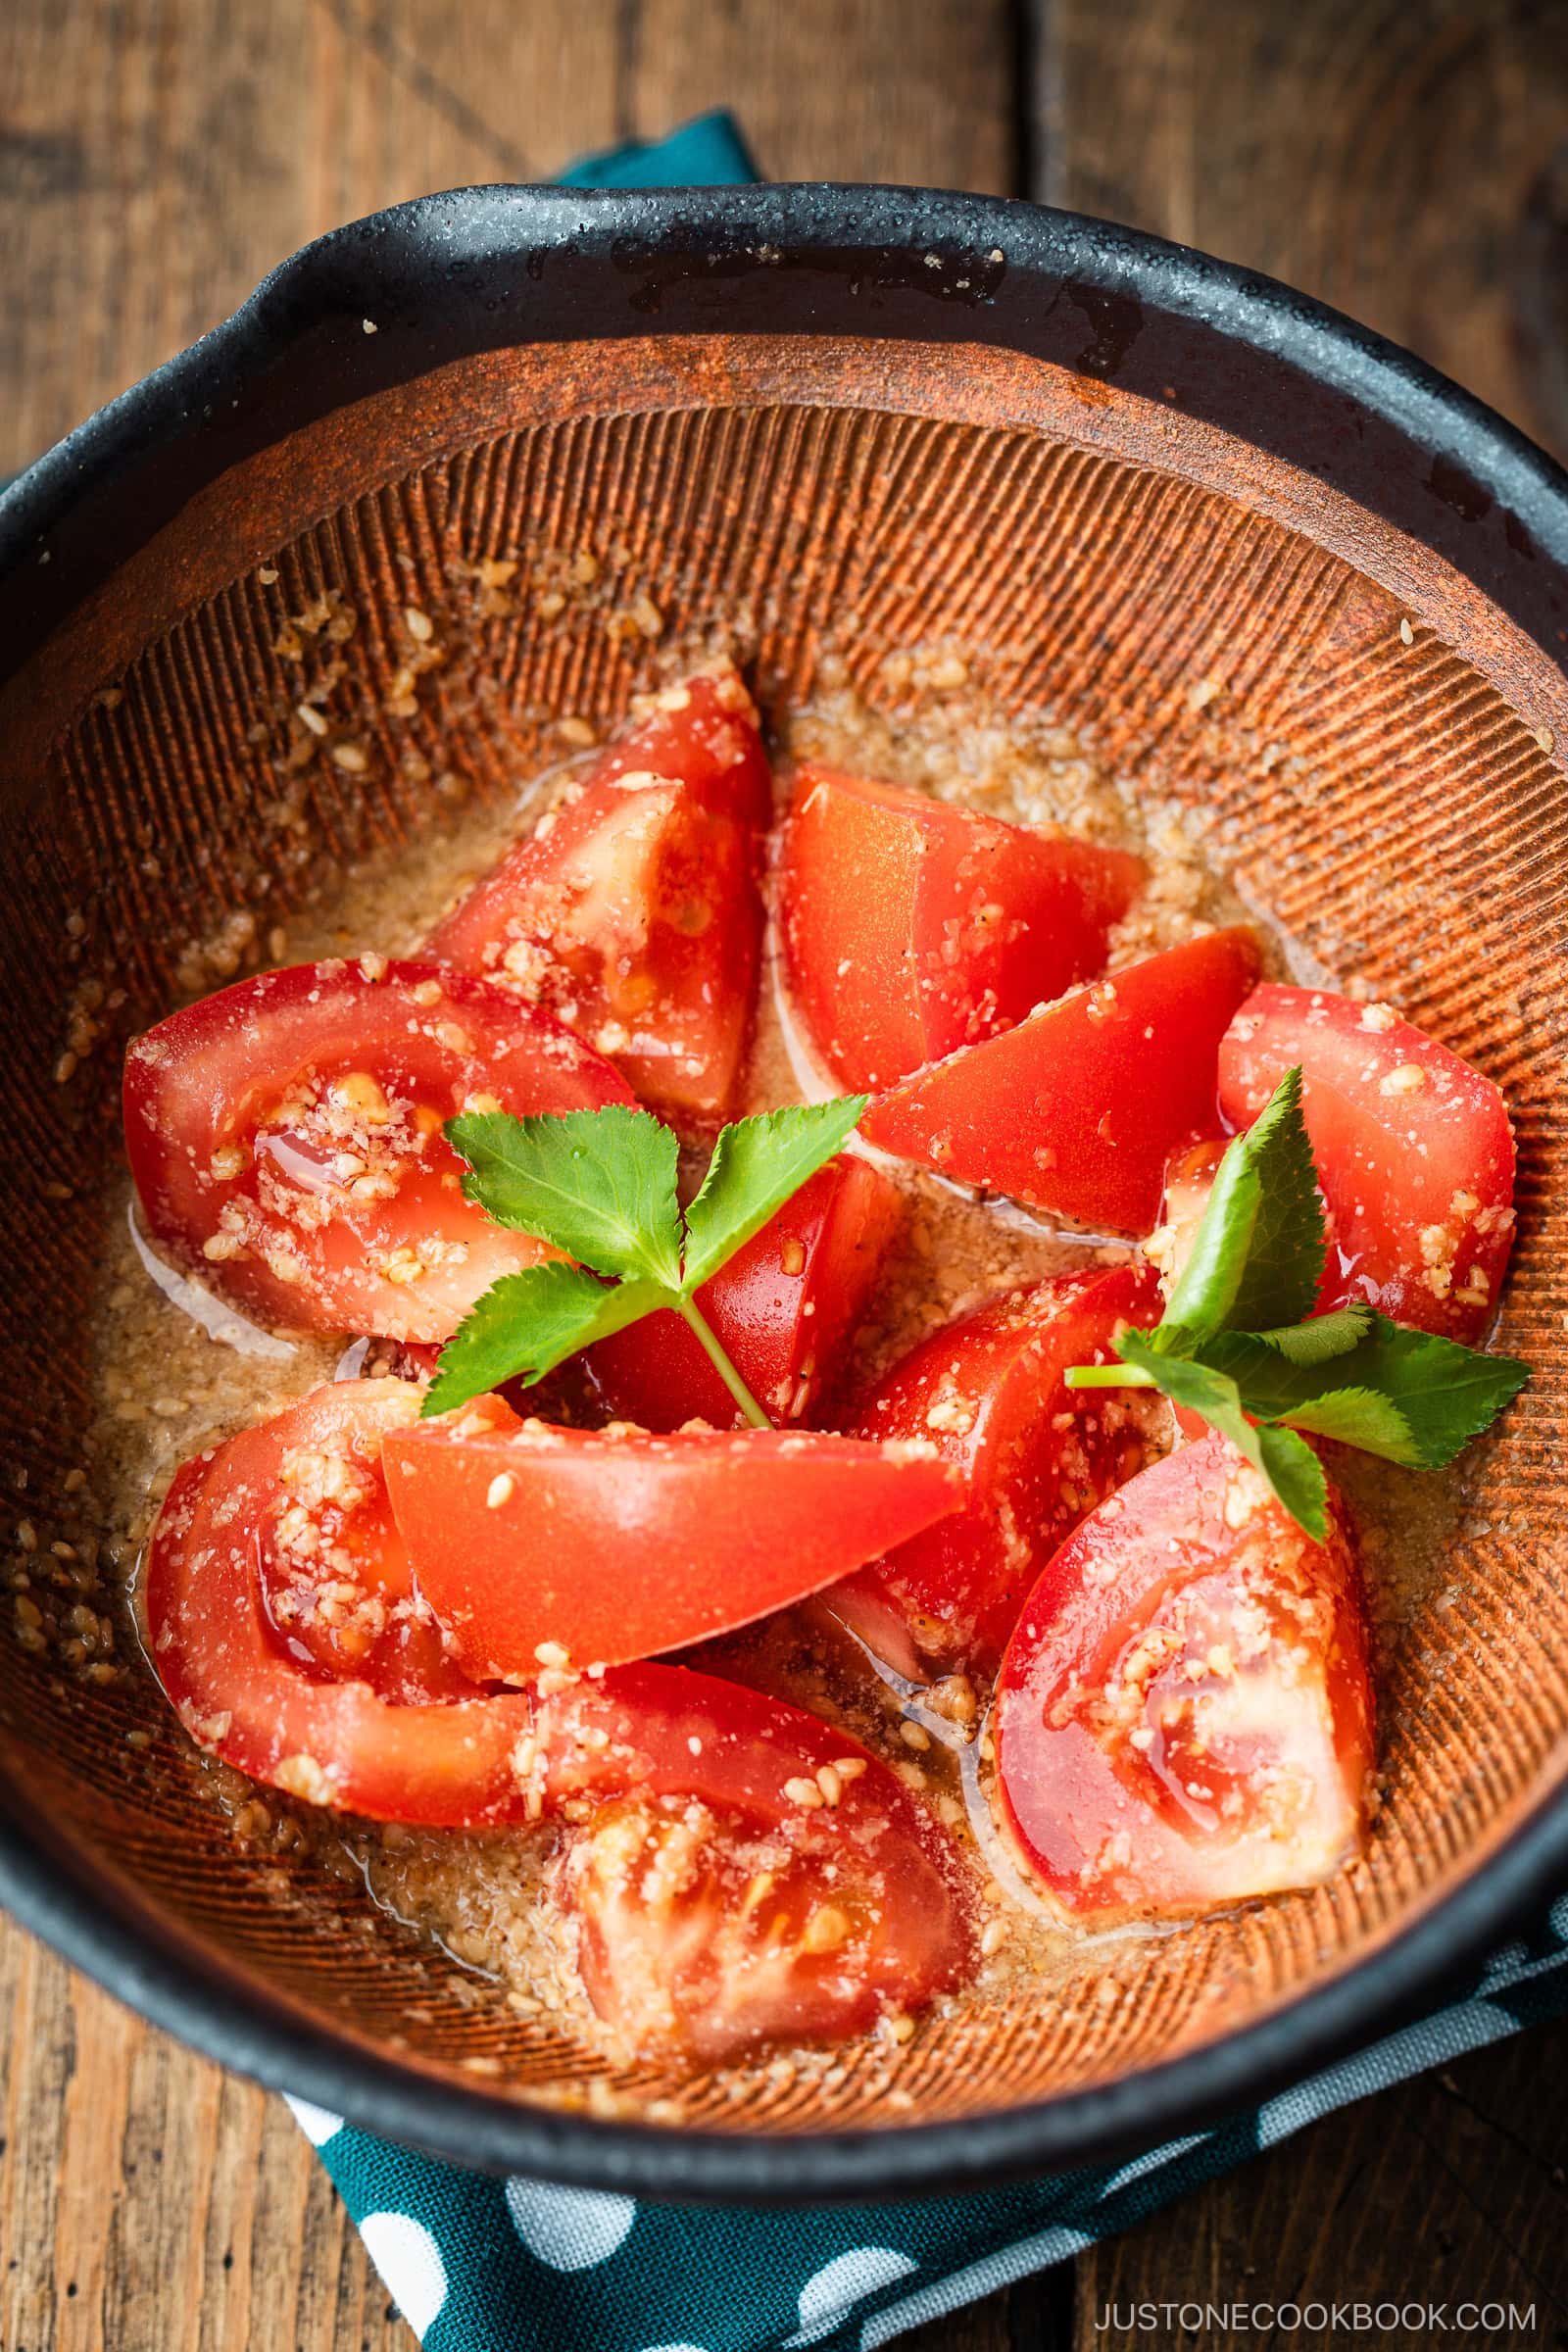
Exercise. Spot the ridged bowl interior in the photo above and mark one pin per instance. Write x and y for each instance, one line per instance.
(1162, 593)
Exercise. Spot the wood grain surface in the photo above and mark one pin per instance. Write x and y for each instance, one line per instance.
(1406, 160)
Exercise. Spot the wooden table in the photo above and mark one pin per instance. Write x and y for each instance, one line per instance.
(1406, 158)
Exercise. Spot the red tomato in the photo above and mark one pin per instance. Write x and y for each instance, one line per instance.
(1077, 1111)
(1036, 1456)
(837, 1898)
(536, 1545)
(285, 1139)
(332, 1571)
(632, 911)
(758, 1876)
(1413, 1147)
(913, 927)
(259, 1690)
(785, 1309)
(1184, 1716)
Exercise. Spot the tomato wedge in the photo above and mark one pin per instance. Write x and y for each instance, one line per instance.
(633, 910)
(285, 1139)
(1077, 1111)
(837, 1898)
(913, 926)
(1035, 1456)
(1184, 1715)
(1414, 1152)
(785, 1309)
(262, 1690)
(538, 1546)
(754, 1876)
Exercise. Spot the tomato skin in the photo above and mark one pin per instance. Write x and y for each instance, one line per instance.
(241, 1110)
(913, 926)
(1184, 1714)
(784, 1308)
(607, 1547)
(241, 1692)
(1077, 1111)
(1414, 1152)
(989, 1390)
(633, 911)
(766, 1917)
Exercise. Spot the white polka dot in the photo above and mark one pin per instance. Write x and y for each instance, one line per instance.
(676, 2348)
(317, 2124)
(569, 2229)
(847, 2279)
(410, 2262)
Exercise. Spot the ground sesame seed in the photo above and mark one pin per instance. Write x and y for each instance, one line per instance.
(500, 1490)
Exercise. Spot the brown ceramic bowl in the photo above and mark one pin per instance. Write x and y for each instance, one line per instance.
(1261, 559)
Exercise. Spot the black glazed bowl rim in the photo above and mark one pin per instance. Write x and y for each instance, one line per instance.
(481, 267)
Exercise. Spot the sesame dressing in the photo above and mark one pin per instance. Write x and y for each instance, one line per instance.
(178, 1371)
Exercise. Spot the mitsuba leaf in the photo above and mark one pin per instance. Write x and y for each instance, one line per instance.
(757, 1166)
(1440, 1394)
(1285, 1462)
(526, 1324)
(1359, 1417)
(597, 1184)
(1257, 1256)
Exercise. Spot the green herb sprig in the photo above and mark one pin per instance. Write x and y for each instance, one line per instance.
(1238, 1343)
(599, 1185)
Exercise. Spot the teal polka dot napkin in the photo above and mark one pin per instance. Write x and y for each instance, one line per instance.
(483, 2265)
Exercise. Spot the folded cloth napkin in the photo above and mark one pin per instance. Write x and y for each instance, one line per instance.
(481, 2264)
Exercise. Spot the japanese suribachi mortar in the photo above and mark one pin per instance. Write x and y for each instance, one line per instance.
(1255, 556)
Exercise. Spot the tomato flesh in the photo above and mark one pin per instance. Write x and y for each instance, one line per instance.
(1036, 1456)
(1184, 1714)
(913, 926)
(536, 1545)
(333, 1572)
(285, 1139)
(397, 1741)
(785, 1309)
(633, 911)
(1077, 1111)
(1414, 1152)
(754, 1876)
